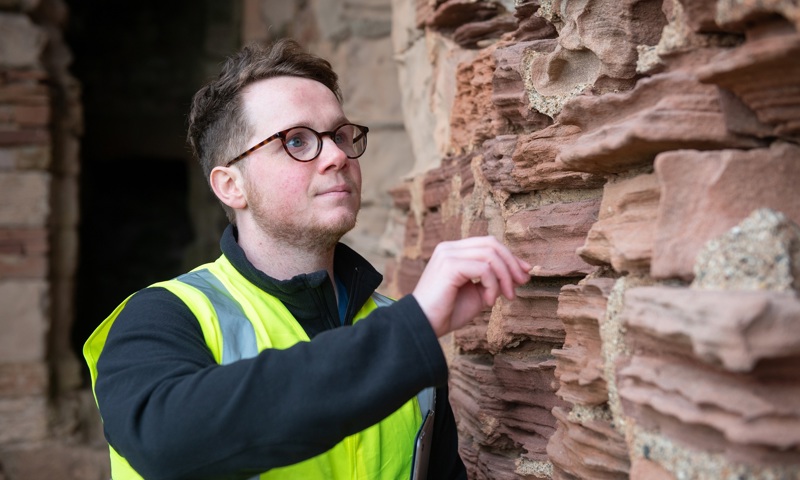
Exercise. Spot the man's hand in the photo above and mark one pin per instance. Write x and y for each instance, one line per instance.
(465, 276)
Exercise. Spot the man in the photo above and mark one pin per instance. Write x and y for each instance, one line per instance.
(279, 360)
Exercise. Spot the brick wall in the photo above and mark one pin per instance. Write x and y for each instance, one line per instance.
(44, 419)
(644, 156)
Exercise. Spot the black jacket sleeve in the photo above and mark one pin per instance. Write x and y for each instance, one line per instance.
(172, 412)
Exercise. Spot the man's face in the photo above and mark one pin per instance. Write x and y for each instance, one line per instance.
(309, 204)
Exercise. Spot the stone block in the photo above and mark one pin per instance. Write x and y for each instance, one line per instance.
(702, 197)
(23, 253)
(739, 416)
(623, 236)
(549, 235)
(508, 85)
(474, 118)
(734, 330)
(22, 42)
(24, 198)
(22, 420)
(579, 363)
(763, 73)
(23, 315)
(668, 111)
(25, 158)
(590, 448)
(530, 318)
(52, 460)
(23, 380)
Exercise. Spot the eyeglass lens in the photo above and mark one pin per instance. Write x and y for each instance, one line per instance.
(305, 144)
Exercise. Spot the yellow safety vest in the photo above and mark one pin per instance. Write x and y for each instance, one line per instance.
(231, 313)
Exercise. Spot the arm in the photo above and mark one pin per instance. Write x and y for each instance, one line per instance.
(173, 412)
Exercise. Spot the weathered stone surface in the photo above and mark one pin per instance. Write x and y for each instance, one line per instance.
(23, 420)
(476, 34)
(531, 317)
(761, 253)
(548, 236)
(668, 111)
(623, 236)
(24, 158)
(587, 54)
(23, 379)
(454, 13)
(54, 460)
(508, 85)
(763, 73)
(743, 417)
(703, 196)
(732, 329)
(587, 449)
(23, 253)
(741, 13)
(473, 338)
(474, 118)
(23, 199)
(579, 366)
(643, 469)
(531, 26)
(22, 42)
(24, 319)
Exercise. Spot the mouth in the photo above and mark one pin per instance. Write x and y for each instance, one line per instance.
(336, 190)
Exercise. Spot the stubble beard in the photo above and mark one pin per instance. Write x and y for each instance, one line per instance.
(317, 238)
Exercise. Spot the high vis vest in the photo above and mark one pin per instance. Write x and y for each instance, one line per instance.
(239, 320)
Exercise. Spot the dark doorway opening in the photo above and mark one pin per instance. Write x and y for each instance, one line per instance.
(146, 214)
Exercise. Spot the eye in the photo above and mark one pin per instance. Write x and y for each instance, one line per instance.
(296, 141)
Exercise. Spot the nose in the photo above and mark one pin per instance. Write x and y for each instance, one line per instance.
(331, 156)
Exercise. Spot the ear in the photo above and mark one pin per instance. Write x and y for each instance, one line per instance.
(228, 185)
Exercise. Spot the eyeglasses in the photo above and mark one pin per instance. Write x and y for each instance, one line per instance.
(305, 144)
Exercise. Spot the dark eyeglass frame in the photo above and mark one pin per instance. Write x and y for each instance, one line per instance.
(282, 136)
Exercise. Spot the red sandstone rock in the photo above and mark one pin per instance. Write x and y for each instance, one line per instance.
(668, 111)
(473, 34)
(702, 197)
(743, 13)
(474, 118)
(643, 469)
(733, 329)
(531, 317)
(624, 234)
(453, 13)
(531, 26)
(508, 86)
(579, 362)
(548, 236)
(746, 418)
(590, 449)
(764, 74)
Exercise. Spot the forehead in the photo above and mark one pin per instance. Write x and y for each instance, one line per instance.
(277, 103)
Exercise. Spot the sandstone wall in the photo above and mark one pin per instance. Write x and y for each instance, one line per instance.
(42, 409)
(643, 155)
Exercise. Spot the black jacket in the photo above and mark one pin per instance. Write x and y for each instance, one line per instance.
(173, 412)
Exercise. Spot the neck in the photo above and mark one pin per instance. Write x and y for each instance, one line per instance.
(280, 259)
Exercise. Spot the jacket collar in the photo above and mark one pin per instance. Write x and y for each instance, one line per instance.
(310, 296)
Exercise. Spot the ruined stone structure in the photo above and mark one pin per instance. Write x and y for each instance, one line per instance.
(643, 155)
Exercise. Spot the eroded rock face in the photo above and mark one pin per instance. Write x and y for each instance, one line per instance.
(643, 156)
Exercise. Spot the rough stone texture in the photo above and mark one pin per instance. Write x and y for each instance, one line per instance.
(763, 74)
(761, 253)
(623, 234)
(685, 113)
(702, 198)
(622, 131)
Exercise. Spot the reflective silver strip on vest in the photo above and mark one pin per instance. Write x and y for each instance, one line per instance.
(238, 335)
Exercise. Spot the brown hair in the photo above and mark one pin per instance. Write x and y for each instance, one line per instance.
(218, 128)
